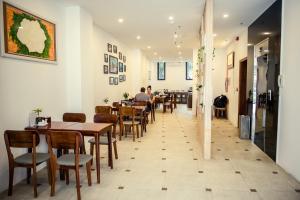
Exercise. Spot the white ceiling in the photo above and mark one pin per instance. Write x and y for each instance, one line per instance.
(149, 19)
(239, 11)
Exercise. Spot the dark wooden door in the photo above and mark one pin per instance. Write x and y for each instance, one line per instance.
(242, 88)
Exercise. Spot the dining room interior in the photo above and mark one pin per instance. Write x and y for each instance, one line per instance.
(172, 99)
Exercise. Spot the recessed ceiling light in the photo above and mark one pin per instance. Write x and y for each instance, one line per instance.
(155, 53)
(138, 37)
(178, 46)
(215, 35)
(171, 18)
(250, 44)
(179, 53)
(148, 47)
(225, 15)
(120, 20)
(175, 35)
(266, 33)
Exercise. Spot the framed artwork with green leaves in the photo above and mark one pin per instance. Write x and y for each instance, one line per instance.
(27, 36)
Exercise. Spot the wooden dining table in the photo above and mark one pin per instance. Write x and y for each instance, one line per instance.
(86, 129)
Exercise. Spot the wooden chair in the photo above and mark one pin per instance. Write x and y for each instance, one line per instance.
(131, 124)
(105, 140)
(68, 140)
(74, 117)
(115, 107)
(168, 104)
(103, 110)
(24, 139)
(141, 116)
(174, 101)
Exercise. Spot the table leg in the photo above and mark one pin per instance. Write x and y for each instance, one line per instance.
(61, 172)
(110, 158)
(97, 146)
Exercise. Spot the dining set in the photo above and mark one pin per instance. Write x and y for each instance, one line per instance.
(66, 141)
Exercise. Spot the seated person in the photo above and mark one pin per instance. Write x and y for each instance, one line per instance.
(149, 93)
(142, 96)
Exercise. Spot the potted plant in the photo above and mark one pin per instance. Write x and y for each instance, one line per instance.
(106, 100)
(126, 95)
(37, 111)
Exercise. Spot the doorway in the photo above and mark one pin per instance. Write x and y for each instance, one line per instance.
(242, 89)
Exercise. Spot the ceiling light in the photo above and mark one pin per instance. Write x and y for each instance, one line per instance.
(266, 33)
(171, 18)
(250, 44)
(225, 15)
(148, 47)
(175, 35)
(178, 46)
(179, 53)
(120, 20)
(155, 53)
(215, 35)
(138, 37)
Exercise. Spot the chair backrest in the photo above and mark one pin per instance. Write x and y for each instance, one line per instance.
(139, 103)
(126, 111)
(21, 139)
(74, 117)
(116, 104)
(105, 118)
(64, 140)
(103, 109)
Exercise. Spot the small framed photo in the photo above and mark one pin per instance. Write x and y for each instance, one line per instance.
(124, 59)
(124, 77)
(106, 58)
(115, 48)
(113, 65)
(111, 80)
(116, 81)
(121, 67)
(105, 69)
(120, 55)
(230, 60)
(109, 47)
(124, 68)
(121, 78)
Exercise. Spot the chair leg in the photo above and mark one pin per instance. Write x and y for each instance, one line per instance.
(88, 172)
(137, 130)
(49, 172)
(28, 175)
(34, 181)
(53, 178)
(92, 152)
(115, 149)
(110, 161)
(77, 182)
(133, 133)
(11, 180)
(121, 132)
(67, 176)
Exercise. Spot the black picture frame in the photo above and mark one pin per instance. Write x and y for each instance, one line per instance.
(121, 69)
(115, 49)
(120, 56)
(186, 71)
(124, 59)
(111, 80)
(105, 69)
(230, 60)
(161, 71)
(124, 68)
(116, 80)
(106, 58)
(113, 65)
(121, 78)
(109, 47)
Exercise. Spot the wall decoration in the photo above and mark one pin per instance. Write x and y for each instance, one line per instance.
(124, 59)
(121, 67)
(27, 36)
(161, 71)
(105, 69)
(116, 81)
(115, 49)
(113, 65)
(120, 56)
(230, 60)
(188, 71)
(111, 80)
(124, 68)
(109, 47)
(106, 58)
(121, 78)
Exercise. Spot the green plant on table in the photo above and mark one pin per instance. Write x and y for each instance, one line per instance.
(126, 95)
(37, 111)
(106, 100)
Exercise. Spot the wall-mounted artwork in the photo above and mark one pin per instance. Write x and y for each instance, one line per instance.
(27, 36)
(121, 79)
(161, 71)
(115, 49)
(113, 65)
(105, 69)
(120, 56)
(188, 71)
(124, 59)
(230, 60)
(109, 47)
(121, 67)
(111, 80)
(106, 58)
(116, 81)
(124, 68)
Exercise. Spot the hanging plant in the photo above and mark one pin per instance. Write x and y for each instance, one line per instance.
(201, 55)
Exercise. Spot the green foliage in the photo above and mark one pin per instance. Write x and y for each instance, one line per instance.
(126, 95)
(22, 48)
(37, 111)
(106, 100)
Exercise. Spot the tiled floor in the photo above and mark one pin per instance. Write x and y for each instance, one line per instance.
(167, 164)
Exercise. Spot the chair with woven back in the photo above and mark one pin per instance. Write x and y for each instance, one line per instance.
(128, 122)
(104, 140)
(74, 117)
(68, 140)
(103, 109)
(29, 140)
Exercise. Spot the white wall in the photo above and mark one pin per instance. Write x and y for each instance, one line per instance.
(288, 147)
(175, 77)
(219, 72)
(240, 49)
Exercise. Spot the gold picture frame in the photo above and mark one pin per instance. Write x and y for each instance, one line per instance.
(230, 60)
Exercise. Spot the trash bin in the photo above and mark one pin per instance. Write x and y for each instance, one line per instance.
(244, 126)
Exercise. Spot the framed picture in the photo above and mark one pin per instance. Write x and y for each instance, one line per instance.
(105, 69)
(124, 77)
(124, 68)
(161, 71)
(115, 48)
(109, 47)
(111, 80)
(106, 58)
(116, 81)
(121, 78)
(188, 71)
(120, 56)
(124, 59)
(27, 36)
(230, 60)
(121, 67)
(113, 65)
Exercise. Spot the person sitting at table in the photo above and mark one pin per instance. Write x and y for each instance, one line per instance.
(142, 96)
(149, 93)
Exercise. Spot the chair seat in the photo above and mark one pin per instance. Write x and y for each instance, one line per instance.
(69, 159)
(27, 158)
(130, 123)
(103, 140)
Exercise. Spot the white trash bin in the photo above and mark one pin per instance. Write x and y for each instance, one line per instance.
(244, 127)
